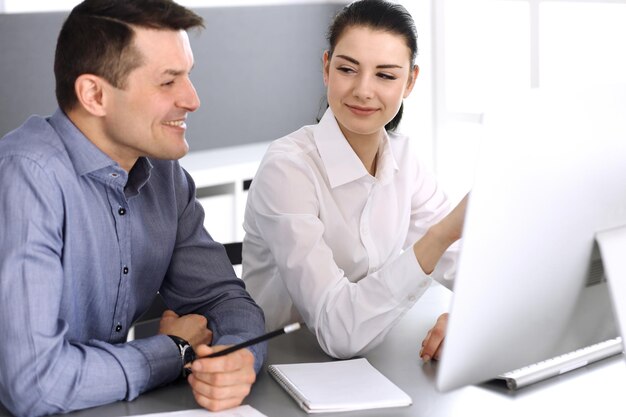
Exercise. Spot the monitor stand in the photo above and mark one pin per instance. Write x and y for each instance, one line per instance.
(612, 245)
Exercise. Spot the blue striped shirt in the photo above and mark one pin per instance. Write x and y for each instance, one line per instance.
(84, 247)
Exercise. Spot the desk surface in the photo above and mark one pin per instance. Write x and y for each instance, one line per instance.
(596, 389)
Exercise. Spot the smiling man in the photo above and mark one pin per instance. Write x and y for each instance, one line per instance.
(97, 216)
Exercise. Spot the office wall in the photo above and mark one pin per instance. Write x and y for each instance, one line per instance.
(29, 6)
(258, 70)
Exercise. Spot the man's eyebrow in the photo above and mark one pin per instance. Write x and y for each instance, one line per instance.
(175, 72)
(355, 62)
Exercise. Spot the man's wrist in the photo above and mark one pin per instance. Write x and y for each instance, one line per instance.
(187, 354)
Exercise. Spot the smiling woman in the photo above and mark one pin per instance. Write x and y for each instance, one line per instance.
(344, 227)
(367, 76)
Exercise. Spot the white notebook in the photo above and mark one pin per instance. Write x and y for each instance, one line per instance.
(338, 386)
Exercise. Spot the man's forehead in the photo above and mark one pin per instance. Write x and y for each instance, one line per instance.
(144, 35)
(168, 50)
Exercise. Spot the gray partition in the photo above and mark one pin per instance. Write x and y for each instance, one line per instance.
(258, 70)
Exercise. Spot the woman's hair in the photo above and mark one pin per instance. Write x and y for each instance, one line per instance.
(97, 38)
(377, 15)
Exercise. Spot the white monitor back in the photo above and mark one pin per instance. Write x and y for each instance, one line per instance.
(552, 173)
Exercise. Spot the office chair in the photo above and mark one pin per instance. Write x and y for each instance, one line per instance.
(148, 323)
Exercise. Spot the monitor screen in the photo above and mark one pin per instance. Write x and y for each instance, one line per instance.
(530, 282)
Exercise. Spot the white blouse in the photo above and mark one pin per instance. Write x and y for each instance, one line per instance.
(328, 244)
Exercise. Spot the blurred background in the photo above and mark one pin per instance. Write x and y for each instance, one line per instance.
(474, 54)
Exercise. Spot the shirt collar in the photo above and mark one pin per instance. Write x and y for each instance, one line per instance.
(342, 164)
(387, 165)
(138, 177)
(87, 158)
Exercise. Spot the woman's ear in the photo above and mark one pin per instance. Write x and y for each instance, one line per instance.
(411, 81)
(326, 69)
(89, 90)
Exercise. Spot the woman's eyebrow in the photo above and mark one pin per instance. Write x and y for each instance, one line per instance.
(355, 62)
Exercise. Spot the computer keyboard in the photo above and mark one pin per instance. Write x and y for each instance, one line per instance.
(561, 364)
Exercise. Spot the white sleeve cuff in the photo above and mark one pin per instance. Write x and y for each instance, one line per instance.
(405, 278)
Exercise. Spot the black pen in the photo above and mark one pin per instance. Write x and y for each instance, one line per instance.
(287, 329)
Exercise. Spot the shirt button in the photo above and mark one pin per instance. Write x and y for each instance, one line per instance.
(411, 298)
(118, 328)
(122, 211)
(125, 270)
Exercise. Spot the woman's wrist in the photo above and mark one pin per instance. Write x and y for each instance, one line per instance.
(442, 236)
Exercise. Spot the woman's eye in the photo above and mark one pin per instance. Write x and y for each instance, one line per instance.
(347, 70)
(387, 76)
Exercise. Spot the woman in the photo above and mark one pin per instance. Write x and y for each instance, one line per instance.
(344, 228)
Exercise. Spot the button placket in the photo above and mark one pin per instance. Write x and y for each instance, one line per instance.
(122, 229)
(366, 237)
(124, 234)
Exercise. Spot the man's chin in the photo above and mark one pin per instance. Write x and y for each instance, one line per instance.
(181, 149)
(171, 154)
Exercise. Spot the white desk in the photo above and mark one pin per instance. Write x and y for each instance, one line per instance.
(595, 390)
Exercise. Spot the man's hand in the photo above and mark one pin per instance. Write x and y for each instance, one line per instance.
(222, 382)
(432, 344)
(191, 327)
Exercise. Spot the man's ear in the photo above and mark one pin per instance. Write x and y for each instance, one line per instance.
(411, 81)
(326, 66)
(90, 92)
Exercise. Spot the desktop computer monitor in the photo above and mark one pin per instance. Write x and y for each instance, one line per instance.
(551, 177)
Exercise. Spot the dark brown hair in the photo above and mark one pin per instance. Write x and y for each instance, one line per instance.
(97, 36)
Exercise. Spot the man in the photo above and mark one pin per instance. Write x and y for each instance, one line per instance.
(96, 216)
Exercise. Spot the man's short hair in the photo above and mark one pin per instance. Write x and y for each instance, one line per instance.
(97, 36)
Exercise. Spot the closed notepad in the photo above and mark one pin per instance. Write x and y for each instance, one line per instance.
(338, 386)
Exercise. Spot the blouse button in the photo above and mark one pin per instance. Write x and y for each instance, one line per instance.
(118, 328)
(122, 211)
